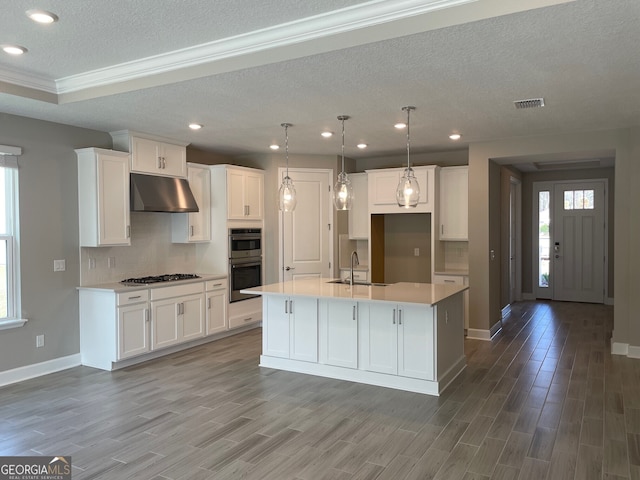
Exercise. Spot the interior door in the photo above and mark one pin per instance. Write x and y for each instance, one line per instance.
(578, 231)
(306, 237)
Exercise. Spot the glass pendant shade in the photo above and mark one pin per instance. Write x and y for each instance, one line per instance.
(408, 191)
(287, 193)
(343, 190)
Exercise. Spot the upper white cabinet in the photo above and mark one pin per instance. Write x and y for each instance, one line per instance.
(103, 197)
(152, 154)
(244, 194)
(382, 185)
(359, 213)
(454, 203)
(195, 226)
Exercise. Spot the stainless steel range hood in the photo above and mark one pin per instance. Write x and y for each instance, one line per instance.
(152, 193)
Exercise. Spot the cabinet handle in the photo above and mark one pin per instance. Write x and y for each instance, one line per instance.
(290, 306)
(133, 298)
(191, 230)
(164, 162)
(394, 316)
(442, 229)
(285, 306)
(399, 316)
(159, 162)
(128, 231)
(217, 284)
(354, 312)
(209, 303)
(449, 281)
(248, 319)
(146, 314)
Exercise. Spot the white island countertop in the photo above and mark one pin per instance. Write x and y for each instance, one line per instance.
(401, 292)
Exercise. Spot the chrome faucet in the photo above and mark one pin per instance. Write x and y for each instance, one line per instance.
(354, 255)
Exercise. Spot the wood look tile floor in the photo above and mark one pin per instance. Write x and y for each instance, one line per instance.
(544, 399)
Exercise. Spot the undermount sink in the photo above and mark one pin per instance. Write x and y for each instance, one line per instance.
(369, 284)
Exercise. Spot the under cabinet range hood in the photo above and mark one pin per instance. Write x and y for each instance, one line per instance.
(152, 193)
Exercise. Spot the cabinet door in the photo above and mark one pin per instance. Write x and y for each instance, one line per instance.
(454, 200)
(275, 334)
(113, 200)
(253, 186)
(416, 348)
(235, 195)
(145, 157)
(133, 330)
(303, 318)
(359, 213)
(192, 316)
(174, 160)
(379, 338)
(382, 187)
(216, 311)
(164, 324)
(340, 334)
(200, 222)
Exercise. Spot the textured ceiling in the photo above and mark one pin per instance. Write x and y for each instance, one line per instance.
(581, 56)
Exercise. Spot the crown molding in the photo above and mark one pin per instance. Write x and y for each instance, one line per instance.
(26, 80)
(357, 17)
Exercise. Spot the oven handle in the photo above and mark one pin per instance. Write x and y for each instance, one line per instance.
(252, 264)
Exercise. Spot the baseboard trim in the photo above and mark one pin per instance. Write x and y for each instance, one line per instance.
(624, 349)
(506, 311)
(486, 335)
(38, 369)
(528, 296)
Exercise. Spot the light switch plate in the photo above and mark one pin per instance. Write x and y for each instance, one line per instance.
(59, 265)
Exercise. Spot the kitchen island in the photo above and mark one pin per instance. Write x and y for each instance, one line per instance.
(408, 336)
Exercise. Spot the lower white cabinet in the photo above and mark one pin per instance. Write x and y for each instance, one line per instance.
(177, 314)
(397, 340)
(216, 303)
(293, 328)
(133, 330)
(338, 326)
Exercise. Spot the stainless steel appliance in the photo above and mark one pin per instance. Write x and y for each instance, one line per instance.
(245, 261)
(167, 277)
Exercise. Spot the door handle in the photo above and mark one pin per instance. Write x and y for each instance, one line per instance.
(289, 268)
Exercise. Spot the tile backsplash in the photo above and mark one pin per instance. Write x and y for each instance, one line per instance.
(151, 253)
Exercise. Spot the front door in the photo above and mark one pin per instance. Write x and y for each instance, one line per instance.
(306, 236)
(578, 240)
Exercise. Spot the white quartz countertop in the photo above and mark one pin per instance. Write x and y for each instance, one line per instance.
(402, 292)
(118, 287)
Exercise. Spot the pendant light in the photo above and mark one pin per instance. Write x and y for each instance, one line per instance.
(343, 191)
(287, 193)
(408, 191)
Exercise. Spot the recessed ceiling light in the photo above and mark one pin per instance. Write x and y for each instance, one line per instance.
(42, 16)
(327, 134)
(400, 125)
(274, 147)
(455, 136)
(195, 126)
(14, 49)
(362, 145)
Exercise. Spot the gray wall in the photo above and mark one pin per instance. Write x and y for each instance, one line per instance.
(48, 231)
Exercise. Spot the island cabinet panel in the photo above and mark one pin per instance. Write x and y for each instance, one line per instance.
(338, 333)
(397, 339)
(290, 328)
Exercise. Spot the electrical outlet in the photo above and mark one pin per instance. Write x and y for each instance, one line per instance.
(39, 341)
(416, 252)
(92, 263)
(111, 262)
(59, 265)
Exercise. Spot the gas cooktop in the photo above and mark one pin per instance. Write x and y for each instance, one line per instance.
(167, 277)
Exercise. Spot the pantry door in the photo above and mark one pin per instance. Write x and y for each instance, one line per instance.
(578, 241)
(306, 245)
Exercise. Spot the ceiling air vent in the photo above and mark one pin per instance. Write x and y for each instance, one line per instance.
(529, 103)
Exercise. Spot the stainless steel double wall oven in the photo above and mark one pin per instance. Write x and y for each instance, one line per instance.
(245, 261)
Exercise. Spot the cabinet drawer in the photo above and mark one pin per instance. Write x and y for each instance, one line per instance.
(450, 279)
(219, 284)
(177, 291)
(135, 296)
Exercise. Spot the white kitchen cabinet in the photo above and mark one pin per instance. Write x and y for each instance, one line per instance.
(396, 339)
(216, 303)
(133, 330)
(153, 154)
(177, 314)
(293, 328)
(195, 227)
(457, 280)
(359, 213)
(103, 197)
(454, 203)
(245, 312)
(382, 185)
(244, 194)
(338, 333)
